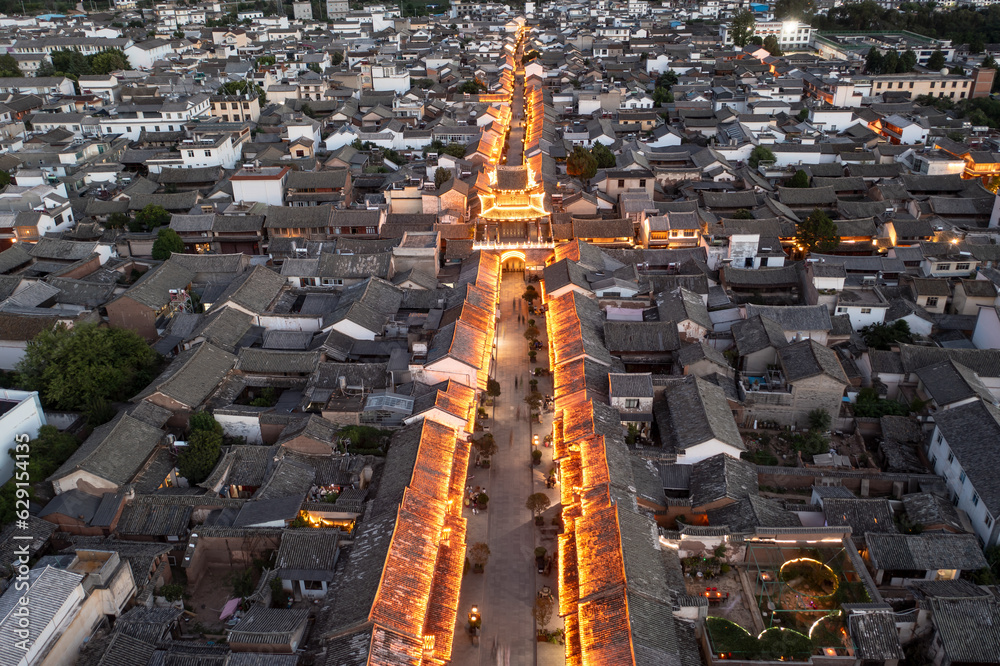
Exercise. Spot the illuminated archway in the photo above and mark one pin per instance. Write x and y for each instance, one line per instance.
(515, 258)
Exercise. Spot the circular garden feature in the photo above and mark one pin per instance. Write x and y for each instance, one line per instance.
(809, 577)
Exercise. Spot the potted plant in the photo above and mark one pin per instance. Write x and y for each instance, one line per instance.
(543, 613)
(536, 457)
(482, 499)
(479, 554)
(532, 355)
(537, 503)
(540, 553)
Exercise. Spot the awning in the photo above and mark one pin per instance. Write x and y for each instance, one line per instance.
(229, 608)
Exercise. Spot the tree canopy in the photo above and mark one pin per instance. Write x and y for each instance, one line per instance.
(936, 61)
(198, 458)
(72, 63)
(817, 233)
(9, 66)
(243, 87)
(581, 164)
(605, 158)
(741, 27)
(151, 217)
(772, 46)
(167, 241)
(883, 336)
(74, 368)
(441, 176)
(800, 180)
(760, 153)
(48, 451)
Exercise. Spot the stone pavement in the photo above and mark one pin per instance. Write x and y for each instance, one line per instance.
(506, 592)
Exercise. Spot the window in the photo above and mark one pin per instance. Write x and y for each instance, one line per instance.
(943, 267)
(128, 129)
(961, 477)
(190, 153)
(951, 457)
(932, 302)
(156, 128)
(621, 182)
(632, 403)
(954, 84)
(961, 267)
(642, 182)
(975, 499)
(933, 461)
(841, 310)
(246, 105)
(371, 230)
(866, 310)
(911, 84)
(208, 153)
(932, 84)
(888, 86)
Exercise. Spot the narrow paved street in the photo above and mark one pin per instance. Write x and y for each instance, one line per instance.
(506, 592)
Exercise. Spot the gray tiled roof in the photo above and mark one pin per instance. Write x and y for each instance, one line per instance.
(269, 626)
(273, 361)
(875, 636)
(861, 515)
(192, 376)
(153, 289)
(630, 385)
(752, 512)
(698, 411)
(949, 382)
(49, 589)
(307, 554)
(925, 552)
(931, 510)
(684, 305)
(808, 358)
(972, 432)
(721, 477)
(756, 333)
(156, 520)
(794, 318)
(984, 362)
(115, 451)
(254, 290)
(641, 336)
(968, 629)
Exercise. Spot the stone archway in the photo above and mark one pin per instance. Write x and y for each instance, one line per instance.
(512, 261)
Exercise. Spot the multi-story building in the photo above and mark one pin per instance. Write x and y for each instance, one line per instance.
(337, 8)
(236, 108)
(790, 34)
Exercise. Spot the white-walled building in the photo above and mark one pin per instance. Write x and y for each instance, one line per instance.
(263, 184)
(21, 415)
(963, 451)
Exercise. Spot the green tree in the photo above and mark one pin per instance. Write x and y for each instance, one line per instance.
(530, 293)
(907, 61)
(874, 63)
(883, 336)
(71, 368)
(204, 421)
(742, 214)
(167, 242)
(605, 158)
(662, 96)
(741, 27)
(667, 79)
(817, 233)
(48, 451)
(108, 61)
(117, 221)
(69, 61)
(760, 153)
(772, 46)
(890, 62)
(472, 87)
(794, 9)
(936, 61)
(455, 150)
(493, 390)
(265, 61)
(486, 445)
(9, 66)
(802, 115)
(336, 58)
(819, 419)
(152, 216)
(537, 504)
(197, 460)
(581, 164)
(441, 176)
(800, 180)
(243, 87)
